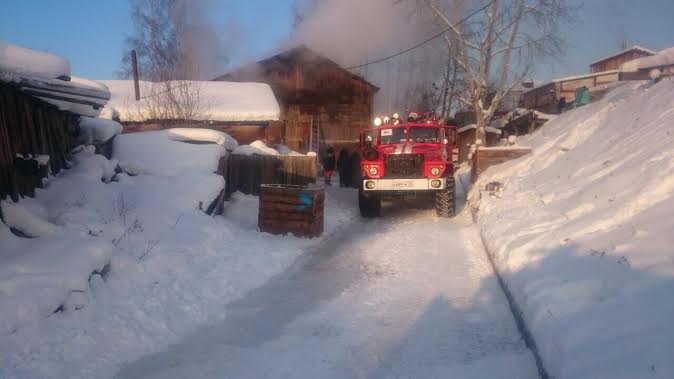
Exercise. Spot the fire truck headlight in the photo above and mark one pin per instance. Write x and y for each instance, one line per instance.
(373, 171)
(377, 121)
(435, 171)
(435, 183)
(369, 184)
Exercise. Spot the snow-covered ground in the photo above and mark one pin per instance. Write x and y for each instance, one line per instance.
(582, 233)
(172, 267)
(409, 295)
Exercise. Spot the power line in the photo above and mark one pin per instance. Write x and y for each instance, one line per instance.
(426, 41)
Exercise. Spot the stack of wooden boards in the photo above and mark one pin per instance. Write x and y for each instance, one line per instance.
(298, 210)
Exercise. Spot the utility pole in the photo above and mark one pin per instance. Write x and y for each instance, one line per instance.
(134, 68)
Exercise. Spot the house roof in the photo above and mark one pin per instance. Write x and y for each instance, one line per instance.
(488, 129)
(217, 101)
(47, 76)
(286, 59)
(633, 48)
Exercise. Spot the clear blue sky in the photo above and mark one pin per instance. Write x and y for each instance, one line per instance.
(90, 33)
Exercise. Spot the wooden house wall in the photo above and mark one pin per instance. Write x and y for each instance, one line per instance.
(31, 126)
(614, 63)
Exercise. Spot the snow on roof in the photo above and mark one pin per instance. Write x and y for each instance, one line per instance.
(584, 76)
(47, 77)
(635, 47)
(217, 101)
(662, 58)
(489, 129)
(26, 62)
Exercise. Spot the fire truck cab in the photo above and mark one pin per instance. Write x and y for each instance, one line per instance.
(412, 158)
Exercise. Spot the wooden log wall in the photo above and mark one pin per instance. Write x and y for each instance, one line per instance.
(31, 126)
(487, 157)
(291, 209)
(246, 173)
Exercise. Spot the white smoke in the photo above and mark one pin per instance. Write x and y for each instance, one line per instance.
(354, 32)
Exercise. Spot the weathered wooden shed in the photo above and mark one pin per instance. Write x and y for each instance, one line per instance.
(545, 98)
(466, 138)
(315, 94)
(613, 62)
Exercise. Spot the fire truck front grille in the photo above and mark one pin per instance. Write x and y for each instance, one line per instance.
(403, 166)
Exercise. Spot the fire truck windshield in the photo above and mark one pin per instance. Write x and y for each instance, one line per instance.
(424, 135)
(392, 135)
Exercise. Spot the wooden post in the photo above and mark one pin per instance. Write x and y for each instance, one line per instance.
(134, 64)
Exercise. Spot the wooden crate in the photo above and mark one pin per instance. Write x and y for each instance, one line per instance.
(298, 210)
(487, 157)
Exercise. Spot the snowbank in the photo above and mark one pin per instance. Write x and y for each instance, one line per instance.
(217, 101)
(172, 267)
(98, 130)
(257, 147)
(203, 135)
(26, 62)
(582, 233)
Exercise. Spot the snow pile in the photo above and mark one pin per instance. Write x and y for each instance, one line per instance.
(257, 147)
(285, 150)
(663, 58)
(41, 274)
(98, 130)
(26, 62)
(581, 230)
(203, 135)
(172, 267)
(214, 101)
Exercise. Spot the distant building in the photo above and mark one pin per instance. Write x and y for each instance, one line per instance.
(616, 60)
(663, 62)
(315, 95)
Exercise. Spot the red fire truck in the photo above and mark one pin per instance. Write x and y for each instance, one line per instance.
(408, 159)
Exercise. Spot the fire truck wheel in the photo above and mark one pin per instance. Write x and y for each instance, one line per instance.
(369, 204)
(444, 200)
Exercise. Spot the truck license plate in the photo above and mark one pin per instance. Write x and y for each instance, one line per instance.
(397, 184)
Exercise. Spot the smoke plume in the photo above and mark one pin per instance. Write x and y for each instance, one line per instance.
(353, 32)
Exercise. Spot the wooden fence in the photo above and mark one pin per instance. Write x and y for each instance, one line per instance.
(31, 126)
(246, 173)
(491, 156)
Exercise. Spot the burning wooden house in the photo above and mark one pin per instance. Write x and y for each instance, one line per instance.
(322, 104)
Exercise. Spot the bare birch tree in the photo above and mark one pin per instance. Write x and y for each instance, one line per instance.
(174, 44)
(495, 49)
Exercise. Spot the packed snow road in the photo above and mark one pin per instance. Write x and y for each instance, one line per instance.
(408, 295)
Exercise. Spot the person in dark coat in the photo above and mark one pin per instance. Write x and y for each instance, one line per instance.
(344, 166)
(355, 171)
(561, 105)
(329, 163)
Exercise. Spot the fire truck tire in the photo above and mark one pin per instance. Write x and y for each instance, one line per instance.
(444, 200)
(369, 204)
